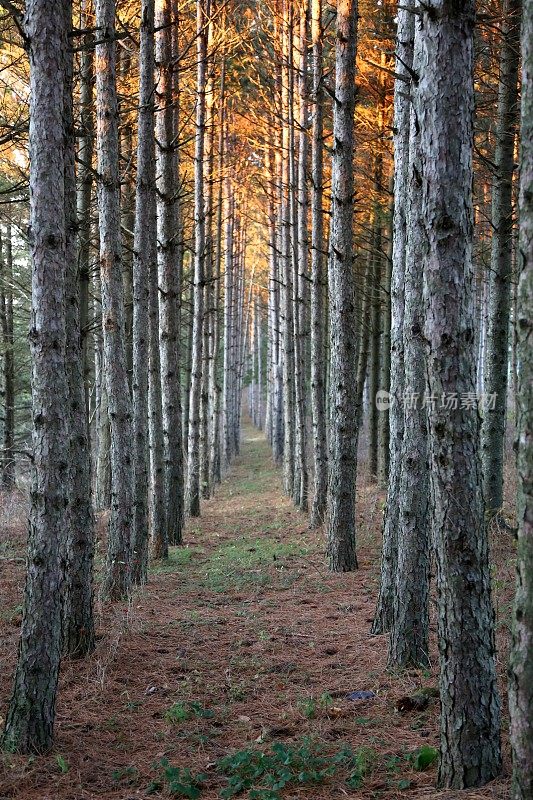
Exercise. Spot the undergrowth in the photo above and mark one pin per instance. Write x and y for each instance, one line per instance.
(265, 774)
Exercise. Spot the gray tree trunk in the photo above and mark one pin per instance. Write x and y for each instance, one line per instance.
(375, 332)
(30, 716)
(318, 355)
(127, 201)
(215, 459)
(144, 245)
(85, 190)
(78, 545)
(169, 233)
(275, 316)
(286, 257)
(192, 497)
(6, 278)
(501, 264)
(103, 456)
(342, 323)
(301, 486)
(409, 643)
(229, 290)
(385, 357)
(118, 578)
(404, 50)
(521, 672)
(470, 707)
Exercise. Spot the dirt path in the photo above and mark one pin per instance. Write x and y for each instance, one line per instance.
(242, 642)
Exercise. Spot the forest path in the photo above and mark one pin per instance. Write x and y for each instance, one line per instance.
(242, 640)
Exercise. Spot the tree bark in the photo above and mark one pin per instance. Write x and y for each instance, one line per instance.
(30, 717)
(286, 256)
(343, 324)
(169, 259)
(144, 253)
(8, 444)
(470, 706)
(409, 645)
(192, 500)
(301, 246)
(521, 671)
(501, 264)
(229, 291)
(85, 190)
(404, 61)
(78, 547)
(318, 355)
(118, 578)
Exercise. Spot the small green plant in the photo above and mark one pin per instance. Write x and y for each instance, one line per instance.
(180, 782)
(128, 775)
(178, 712)
(63, 764)
(359, 762)
(307, 707)
(310, 706)
(424, 757)
(404, 784)
(182, 712)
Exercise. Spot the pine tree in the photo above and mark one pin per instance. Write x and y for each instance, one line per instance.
(342, 325)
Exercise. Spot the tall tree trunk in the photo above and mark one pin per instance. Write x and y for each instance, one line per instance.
(118, 578)
(501, 264)
(207, 396)
(385, 358)
(215, 388)
(404, 51)
(375, 331)
(157, 510)
(470, 706)
(229, 291)
(193, 451)
(8, 444)
(169, 258)
(286, 256)
(275, 315)
(188, 362)
(85, 188)
(30, 717)
(301, 487)
(409, 643)
(103, 437)
(127, 202)
(521, 673)
(318, 356)
(78, 546)
(143, 257)
(342, 323)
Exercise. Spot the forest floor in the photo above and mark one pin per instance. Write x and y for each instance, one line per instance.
(229, 673)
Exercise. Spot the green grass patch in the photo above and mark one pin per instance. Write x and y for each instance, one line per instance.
(238, 563)
(177, 557)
